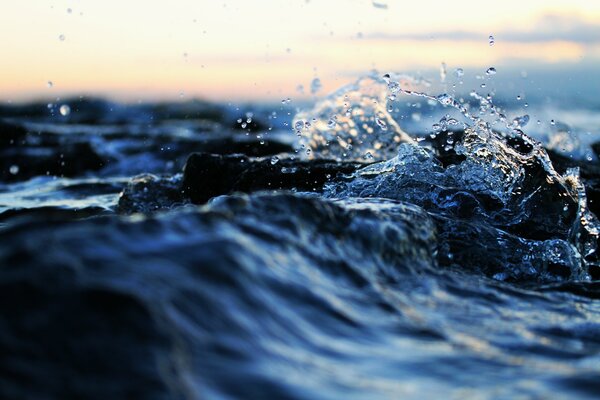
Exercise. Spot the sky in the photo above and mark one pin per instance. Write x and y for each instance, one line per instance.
(240, 49)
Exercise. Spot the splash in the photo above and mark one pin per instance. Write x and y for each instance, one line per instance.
(352, 123)
(491, 171)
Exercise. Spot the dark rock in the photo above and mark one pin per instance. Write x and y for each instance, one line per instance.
(11, 134)
(252, 148)
(209, 175)
(43, 153)
(149, 193)
(589, 173)
(71, 159)
(596, 149)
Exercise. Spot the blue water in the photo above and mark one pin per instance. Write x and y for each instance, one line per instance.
(438, 270)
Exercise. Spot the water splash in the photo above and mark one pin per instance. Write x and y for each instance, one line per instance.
(504, 176)
(353, 121)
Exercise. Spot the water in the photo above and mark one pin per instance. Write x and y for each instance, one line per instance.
(456, 261)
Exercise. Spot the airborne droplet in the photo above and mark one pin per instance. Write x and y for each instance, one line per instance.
(394, 87)
(520, 122)
(381, 123)
(443, 72)
(445, 99)
(491, 40)
(64, 110)
(491, 71)
(315, 86)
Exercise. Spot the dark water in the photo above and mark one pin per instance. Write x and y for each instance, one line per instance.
(447, 270)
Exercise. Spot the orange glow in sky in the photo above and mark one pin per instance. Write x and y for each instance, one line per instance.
(240, 49)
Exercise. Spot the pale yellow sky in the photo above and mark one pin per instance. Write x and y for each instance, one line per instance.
(241, 49)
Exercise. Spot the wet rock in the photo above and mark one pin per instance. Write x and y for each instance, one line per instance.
(589, 172)
(149, 193)
(71, 159)
(252, 148)
(209, 175)
(596, 149)
(25, 154)
(11, 134)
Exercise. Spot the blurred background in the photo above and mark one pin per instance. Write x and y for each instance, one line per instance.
(270, 50)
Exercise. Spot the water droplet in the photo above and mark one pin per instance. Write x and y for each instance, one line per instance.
(315, 86)
(239, 120)
(491, 71)
(50, 84)
(445, 99)
(64, 110)
(491, 40)
(520, 122)
(244, 125)
(379, 5)
(14, 169)
(299, 125)
(386, 78)
(381, 123)
(394, 87)
(459, 72)
(61, 37)
(552, 122)
(274, 160)
(443, 72)
(332, 122)
(368, 156)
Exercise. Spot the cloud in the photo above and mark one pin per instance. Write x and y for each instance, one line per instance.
(548, 28)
